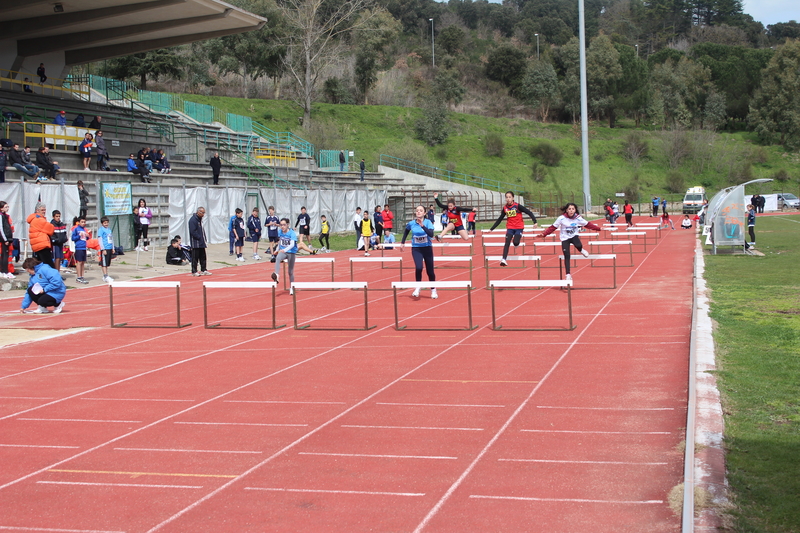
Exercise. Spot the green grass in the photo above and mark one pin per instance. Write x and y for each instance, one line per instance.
(369, 129)
(756, 303)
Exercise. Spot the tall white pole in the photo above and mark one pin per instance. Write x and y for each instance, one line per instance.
(433, 46)
(537, 46)
(587, 192)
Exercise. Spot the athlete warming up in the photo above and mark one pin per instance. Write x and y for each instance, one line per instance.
(421, 230)
(288, 246)
(454, 220)
(512, 211)
(569, 224)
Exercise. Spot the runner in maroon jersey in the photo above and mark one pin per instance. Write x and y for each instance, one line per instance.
(454, 220)
(512, 211)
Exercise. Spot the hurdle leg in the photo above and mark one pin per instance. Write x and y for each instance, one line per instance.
(366, 311)
(494, 314)
(614, 270)
(284, 276)
(569, 305)
(205, 307)
(396, 316)
(294, 310)
(560, 264)
(111, 303)
(469, 304)
(351, 271)
(332, 277)
(486, 267)
(401, 269)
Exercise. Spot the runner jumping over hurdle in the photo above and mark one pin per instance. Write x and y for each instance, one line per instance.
(569, 225)
(287, 249)
(421, 230)
(514, 223)
(454, 220)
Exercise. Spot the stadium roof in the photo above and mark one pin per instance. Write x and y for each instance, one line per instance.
(86, 31)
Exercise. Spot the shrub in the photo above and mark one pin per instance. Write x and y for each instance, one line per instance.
(675, 182)
(450, 166)
(336, 91)
(781, 175)
(538, 172)
(434, 126)
(632, 189)
(548, 153)
(407, 149)
(494, 144)
(759, 155)
(441, 152)
(742, 172)
(635, 148)
(677, 147)
(577, 151)
(599, 157)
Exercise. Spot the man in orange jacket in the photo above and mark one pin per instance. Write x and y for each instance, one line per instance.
(39, 235)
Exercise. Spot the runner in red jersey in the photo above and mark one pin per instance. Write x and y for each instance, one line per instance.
(454, 220)
(512, 211)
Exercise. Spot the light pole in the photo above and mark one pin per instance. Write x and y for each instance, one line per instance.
(637, 49)
(537, 46)
(433, 46)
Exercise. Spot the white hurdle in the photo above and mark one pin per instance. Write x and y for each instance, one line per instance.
(624, 234)
(249, 285)
(629, 244)
(326, 286)
(554, 245)
(312, 259)
(500, 245)
(445, 245)
(656, 229)
(146, 285)
(521, 258)
(455, 259)
(531, 284)
(381, 260)
(433, 285)
(591, 259)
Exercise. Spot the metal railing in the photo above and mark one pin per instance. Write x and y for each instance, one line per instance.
(15, 81)
(65, 136)
(447, 175)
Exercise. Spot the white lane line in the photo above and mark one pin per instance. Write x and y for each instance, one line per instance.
(339, 491)
(55, 530)
(572, 500)
(81, 420)
(281, 401)
(23, 398)
(378, 456)
(597, 432)
(242, 424)
(134, 400)
(579, 462)
(410, 427)
(789, 219)
(140, 485)
(181, 451)
(437, 404)
(607, 408)
(37, 446)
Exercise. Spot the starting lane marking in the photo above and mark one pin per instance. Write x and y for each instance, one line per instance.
(139, 485)
(578, 462)
(37, 446)
(179, 450)
(81, 420)
(607, 408)
(242, 424)
(410, 427)
(370, 493)
(283, 401)
(137, 474)
(597, 432)
(467, 381)
(573, 500)
(55, 529)
(377, 456)
(436, 404)
(134, 400)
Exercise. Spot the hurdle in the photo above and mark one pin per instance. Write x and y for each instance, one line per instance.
(656, 229)
(433, 285)
(531, 284)
(146, 285)
(500, 245)
(554, 245)
(456, 259)
(381, 260)
(612, 244)
(613, 236)
(325, 286)
(238, 285)
(445, 245)
(591, 259)
(330, 260)
(520, 258)
(470, 235)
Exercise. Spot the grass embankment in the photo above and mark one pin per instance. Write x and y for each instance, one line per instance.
(715, 161)
(756, 303)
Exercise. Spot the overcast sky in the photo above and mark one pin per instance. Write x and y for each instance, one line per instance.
(771, 11)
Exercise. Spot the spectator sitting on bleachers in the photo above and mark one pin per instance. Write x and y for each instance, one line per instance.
(96, 123)
(41, 74)
(144, 170)
(165, 162)
(46, 163)
(61, 119)
(144, 155)
(79, 121)
(134, 167)
(26, 87)
(17, 161)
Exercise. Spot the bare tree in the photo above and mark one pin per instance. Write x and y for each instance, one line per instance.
(315, 28)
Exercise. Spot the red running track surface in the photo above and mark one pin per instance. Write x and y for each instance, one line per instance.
(198, 430)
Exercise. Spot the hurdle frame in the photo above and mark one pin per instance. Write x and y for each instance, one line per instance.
(614, 243)
(591, 259)
(334, 285)
(484, 245)
(630, 233)
(146, 285)
(457, 259)
(381, 260)
(444, 245)
(311, 259)
(445, 285)
(531, 284)
(520, 258)
(238, 285)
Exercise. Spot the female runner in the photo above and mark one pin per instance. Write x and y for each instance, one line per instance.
(514, 223)
(454, 221)
(569, 225)
(421, 230)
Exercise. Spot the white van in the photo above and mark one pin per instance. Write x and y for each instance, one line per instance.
(694, 200)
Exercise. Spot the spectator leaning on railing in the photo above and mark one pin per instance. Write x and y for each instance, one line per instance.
(61, 119)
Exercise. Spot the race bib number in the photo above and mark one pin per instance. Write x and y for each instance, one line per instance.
(420, 239)
(285, 241)
(511, 213)
(570, 231)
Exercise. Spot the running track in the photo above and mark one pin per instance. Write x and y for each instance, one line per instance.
(175, 430)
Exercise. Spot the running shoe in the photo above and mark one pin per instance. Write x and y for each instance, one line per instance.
(275, 277)
(434, 294)
(108, 279)
(205, 273)
(40, 310)
(438, 238)
(415, 294)
(503, 263)
(291, 291)
(196, 274)
(12, 276)
(568, 277)
(366, 254)
(59, 308)
(585, 252)
(257, 257)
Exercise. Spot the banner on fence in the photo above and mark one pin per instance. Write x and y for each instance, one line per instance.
(117, 198)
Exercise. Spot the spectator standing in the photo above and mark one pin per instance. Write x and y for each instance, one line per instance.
(304, 224)
(61, 119)
(324, 233)
(45, 162)
(216, 166)
(145, 214)
(231, 237)
(79, 121)
(39, 235)
(238, 234)
(471, 221)
(6, 240)
(388, 220)
(366, 232)
(106, 248)
(342, 160)
(761, 203)
(3, 164)
(272, 223)
(85, 149)
(45, 288)
(254, 228)
(198, 241)
(655, 206)
(15, 156)
(41, 73)
(80, 236)
(431, 215)
(83, 194)
(102, 153)
(377, 219)
(751, 225)
(663, 206)
(96, 123)
(357, 225)
(59, 238)
(362, 166)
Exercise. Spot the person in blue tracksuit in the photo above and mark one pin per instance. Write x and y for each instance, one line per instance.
(45, 288)
(421, 230)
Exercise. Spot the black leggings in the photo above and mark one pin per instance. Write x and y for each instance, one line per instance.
(327, 243)
(516, 238)
(752, 230)
(575, 241)
(423, 254)
(43, 299)
(5, 251)
(45, 255)
(141, 235)
(629, 219)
